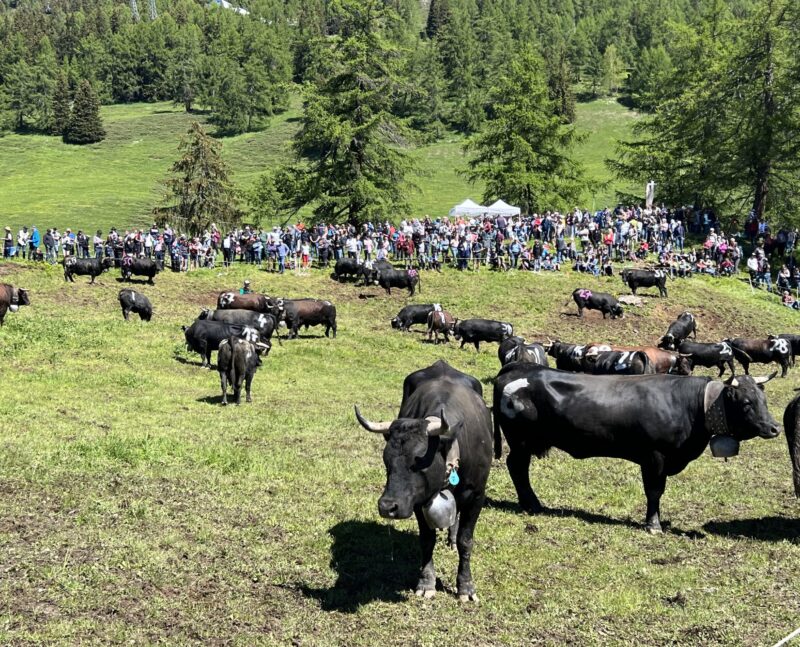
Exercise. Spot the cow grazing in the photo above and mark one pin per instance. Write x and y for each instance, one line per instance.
(636, 279)
(139, 267)
(762, 351)
(660, 422)
(708, 355)
(237, 363)
(440, 321)
(617, 362)
(204, 337)
(308, 312)
(266, 324)
(791, 426)
(251, 301)
(514, 349)
(678, 331)
(569, 357)
(93, 267)
(136, 302)
(413, 314)
(347, 267)
(474, 331)
(794, 341)
(443, 425)
(605, 303)
(12, 298)
(389, 278)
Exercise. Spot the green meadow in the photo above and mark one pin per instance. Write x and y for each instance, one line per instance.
(117, 182)
(135, 509)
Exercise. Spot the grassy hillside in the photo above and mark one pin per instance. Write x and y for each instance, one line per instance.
(47, 183)
(135, 509)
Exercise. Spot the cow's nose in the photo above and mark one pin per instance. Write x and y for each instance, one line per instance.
(774, 431)
(387, 507)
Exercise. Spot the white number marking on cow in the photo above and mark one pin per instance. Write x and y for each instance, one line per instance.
(510, 403)
(624, 361)
(726, 351)
(510, 353)
(780, 345)
(262, 321)
(508, 329)
(133, 297)
(437, 307)
(577, 352)
(226, 299)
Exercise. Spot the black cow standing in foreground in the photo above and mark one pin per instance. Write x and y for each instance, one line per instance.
(266, 324)
(762, 351)
(204, 337)
(389, 278)
(514, 349)
(136, 302)
(237, 363)
(660, 422)
(12, 298)
(791, 427)
(443, 419)
(474, 331)
(678, 331)
(636, 279)
(413, 314)
(139, 267)
(93, 267)
(605, 303)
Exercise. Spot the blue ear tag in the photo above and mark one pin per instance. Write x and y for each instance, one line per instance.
(453, 478)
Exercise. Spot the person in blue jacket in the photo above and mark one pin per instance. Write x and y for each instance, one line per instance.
(34, 242)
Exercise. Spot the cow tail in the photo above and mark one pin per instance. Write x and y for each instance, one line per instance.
(740, 355)
(498, 437)
(790, 422)
(649, 369)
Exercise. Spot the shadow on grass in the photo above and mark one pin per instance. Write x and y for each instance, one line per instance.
(373, 562)
(592, 517)
(119, 279)
(188, 362)
(763, 529)
(215, 399)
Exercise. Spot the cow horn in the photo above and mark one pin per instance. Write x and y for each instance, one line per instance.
(732, 381)
(685, 354)
(374, 427)
(764, 379)
(437, 426)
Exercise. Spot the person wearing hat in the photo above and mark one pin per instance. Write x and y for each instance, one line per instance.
(245, 289)
(8, 243)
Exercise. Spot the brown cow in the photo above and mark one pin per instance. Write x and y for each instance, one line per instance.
(252, 301)
(12, 298)
(440, 321)
(661, 361)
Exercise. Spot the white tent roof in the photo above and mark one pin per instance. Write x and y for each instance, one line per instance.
(502, 208)
(468, 208)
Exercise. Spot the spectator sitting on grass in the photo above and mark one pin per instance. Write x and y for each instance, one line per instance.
(789, 301)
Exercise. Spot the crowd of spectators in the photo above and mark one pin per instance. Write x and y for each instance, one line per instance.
(580, 240)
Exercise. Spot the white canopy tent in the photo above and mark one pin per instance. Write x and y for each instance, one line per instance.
(468, 208)
(501, 208)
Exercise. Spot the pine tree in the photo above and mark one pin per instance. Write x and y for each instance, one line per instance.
(438, 17)
(524, 152)
(61, 105)
(559, 85)
(84, 125)
(199, 191)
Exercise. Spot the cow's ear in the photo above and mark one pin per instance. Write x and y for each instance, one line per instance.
(713, 391)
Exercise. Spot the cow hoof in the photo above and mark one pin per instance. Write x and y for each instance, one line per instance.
(425, 593)
(224, 404)
(468, 597)
(654, 529)
(453, 545)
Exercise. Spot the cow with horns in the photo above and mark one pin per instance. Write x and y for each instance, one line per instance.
(438, 452)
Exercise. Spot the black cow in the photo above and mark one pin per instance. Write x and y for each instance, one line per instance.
(440, 321)
(569, 357)
(660, 422)
(601, 301)
(762, 351)
(636, 279)
(474, 331)
(347, 267)
(132, 301)
(679, 330)
(139, 267)
(791, 426)
(265, 323)
(371, 270)
(308, 312)
(794, 340)
(514, 349)
(389, 278)
(617, 362)
(250, 301)
(413, 314)
(443, 423)
(12, 298)
(708, 355)
(93, 267)
(237, 362)
(204, 337)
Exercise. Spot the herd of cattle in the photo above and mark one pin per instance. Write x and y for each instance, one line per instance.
(438, 451)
